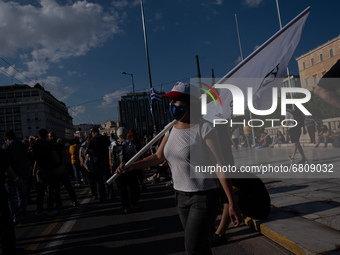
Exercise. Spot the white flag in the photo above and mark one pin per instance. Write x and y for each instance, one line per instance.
(267, 62)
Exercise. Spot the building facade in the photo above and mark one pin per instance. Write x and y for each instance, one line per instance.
(110, 127)
(134, 111)
(26, 110)
(314, 64)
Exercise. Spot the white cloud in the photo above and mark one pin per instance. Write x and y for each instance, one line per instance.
(218, 2)
(125, 3)
(215, 2)
(110, 99)
(252, 3)
(54, 85)
(71, 73)
(50, 32)
(76, 110)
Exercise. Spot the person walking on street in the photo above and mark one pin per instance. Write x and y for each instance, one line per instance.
(18, 156)
(198, 199)
(128, 186)
(79, 173)
(61, 173)
(295, 132)
(310, 125)
(46, 159)
(7, 232)
(99, 147)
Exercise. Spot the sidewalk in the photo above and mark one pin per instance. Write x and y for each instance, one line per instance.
(305, 216)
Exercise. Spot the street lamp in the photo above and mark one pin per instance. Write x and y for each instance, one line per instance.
(133, 85)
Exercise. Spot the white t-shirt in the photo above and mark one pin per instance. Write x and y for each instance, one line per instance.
(177, 153)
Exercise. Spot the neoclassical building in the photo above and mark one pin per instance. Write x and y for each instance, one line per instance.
(315, 63)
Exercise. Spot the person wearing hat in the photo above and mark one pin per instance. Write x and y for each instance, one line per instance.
(197, 199)
(128, 185)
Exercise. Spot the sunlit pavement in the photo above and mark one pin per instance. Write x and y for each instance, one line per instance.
(306, 199)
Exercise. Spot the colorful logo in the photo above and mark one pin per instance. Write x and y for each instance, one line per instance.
(209, 93)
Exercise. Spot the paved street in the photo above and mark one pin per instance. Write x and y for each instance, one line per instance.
(97, 228)
(101, 228)
(305, 206)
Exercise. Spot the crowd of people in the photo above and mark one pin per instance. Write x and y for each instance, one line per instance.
(46, 162)
(318, 133)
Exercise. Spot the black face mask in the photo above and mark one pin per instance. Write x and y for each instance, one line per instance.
(177, 111)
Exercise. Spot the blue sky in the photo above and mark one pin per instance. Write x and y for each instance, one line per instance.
(78, 49)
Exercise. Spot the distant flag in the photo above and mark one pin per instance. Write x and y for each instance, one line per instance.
(77, 136)
(155, 97)
(150, 105)
(267, 62)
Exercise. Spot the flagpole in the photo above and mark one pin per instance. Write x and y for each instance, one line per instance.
(147, 56)
(239, 39)
(198, 71)
(280, 22)
(239, 42)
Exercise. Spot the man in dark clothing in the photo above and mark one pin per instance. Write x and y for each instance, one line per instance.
(7, 233)
(61, 176)
(18, 159)
(99, 147)
(46, 159)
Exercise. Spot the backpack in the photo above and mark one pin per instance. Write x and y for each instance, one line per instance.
(118, 154)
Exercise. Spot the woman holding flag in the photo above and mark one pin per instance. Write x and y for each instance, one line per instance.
(197, 199)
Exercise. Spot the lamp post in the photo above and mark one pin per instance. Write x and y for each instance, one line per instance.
(133, 84)
(134, 124)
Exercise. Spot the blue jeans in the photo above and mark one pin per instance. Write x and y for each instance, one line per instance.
(17, 207)
(197, 211)
(248, 138)
(77, 171)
